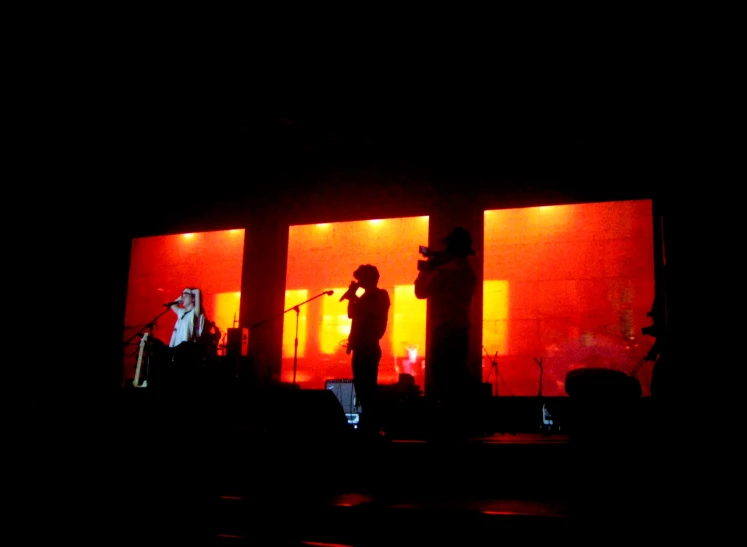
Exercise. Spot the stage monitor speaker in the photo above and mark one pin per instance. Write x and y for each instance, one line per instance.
(604, 405)
(345, 393)
(237, 343)
(601, 383)
(305, 413)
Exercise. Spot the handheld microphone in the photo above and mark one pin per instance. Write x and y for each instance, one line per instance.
(169, 304)
(350, 292)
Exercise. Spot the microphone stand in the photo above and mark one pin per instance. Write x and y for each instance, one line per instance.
(540, 382)
(147, 326)
(547, 421)
(493, 367)
(150, 325)
(295, 342)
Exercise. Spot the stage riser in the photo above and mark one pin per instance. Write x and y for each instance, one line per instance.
(293, 411)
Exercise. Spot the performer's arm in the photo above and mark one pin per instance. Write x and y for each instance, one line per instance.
(175, 306)
(382, 313)
(423, 284)
(197, 294)
(200, 325)
(352, 298)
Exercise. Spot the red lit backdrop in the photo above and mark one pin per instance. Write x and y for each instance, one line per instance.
(570, 285)
(161, 266)
(323, 257)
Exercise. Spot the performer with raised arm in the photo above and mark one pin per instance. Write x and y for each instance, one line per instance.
(370, 313)
(186, 352)
(190, 317)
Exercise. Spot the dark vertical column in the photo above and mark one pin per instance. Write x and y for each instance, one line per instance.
(660, 278)
(459, 206)
(263, 291)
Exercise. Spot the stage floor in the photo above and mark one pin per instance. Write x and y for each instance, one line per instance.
(209, 472)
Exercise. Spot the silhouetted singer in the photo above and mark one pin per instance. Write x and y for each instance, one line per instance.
(369, 313)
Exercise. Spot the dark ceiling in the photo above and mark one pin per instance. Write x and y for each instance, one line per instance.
(571, 116)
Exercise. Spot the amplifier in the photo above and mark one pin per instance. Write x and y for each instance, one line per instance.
(237, 342)
(345, 393)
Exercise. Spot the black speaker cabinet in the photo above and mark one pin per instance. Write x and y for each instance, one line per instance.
(304, 413)
(601, 383)
(237, 343)
(345, 393)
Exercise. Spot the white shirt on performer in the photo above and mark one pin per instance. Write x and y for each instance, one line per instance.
(189, 317)
(187, 327)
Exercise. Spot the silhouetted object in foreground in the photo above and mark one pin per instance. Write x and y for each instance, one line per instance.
(369, 313)
(448, 281)
(658, 352)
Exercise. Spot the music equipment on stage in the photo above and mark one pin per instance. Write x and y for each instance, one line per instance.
(603, 402)
(136, 381)
(547, 421)
(238, 342)
(601, 383)
(345, 393)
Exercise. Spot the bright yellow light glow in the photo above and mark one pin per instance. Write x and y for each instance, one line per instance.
(409, 317)
(293, 298)
(495, 317)
(375, 221)
(335, 323)
(188, 236)
(323, 225)
(226, 309)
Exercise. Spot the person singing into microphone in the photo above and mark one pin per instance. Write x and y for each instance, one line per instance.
(176, 365)
(190, 317)
(187, 352)
(369, 313)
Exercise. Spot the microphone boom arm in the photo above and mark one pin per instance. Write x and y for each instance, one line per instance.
(298, 311)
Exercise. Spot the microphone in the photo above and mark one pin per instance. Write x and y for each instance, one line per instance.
(169, 304)
(350, 292)
(330, 293)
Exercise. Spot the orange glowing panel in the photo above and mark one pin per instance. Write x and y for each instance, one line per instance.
(408, 335)
(495, 317)
(292, 299)
(335, 323)
(161, 266)
(571, 285)
(326, 255)
(227, 310)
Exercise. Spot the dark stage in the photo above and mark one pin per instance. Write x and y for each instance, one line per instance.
(571, 195)
(230, 463)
